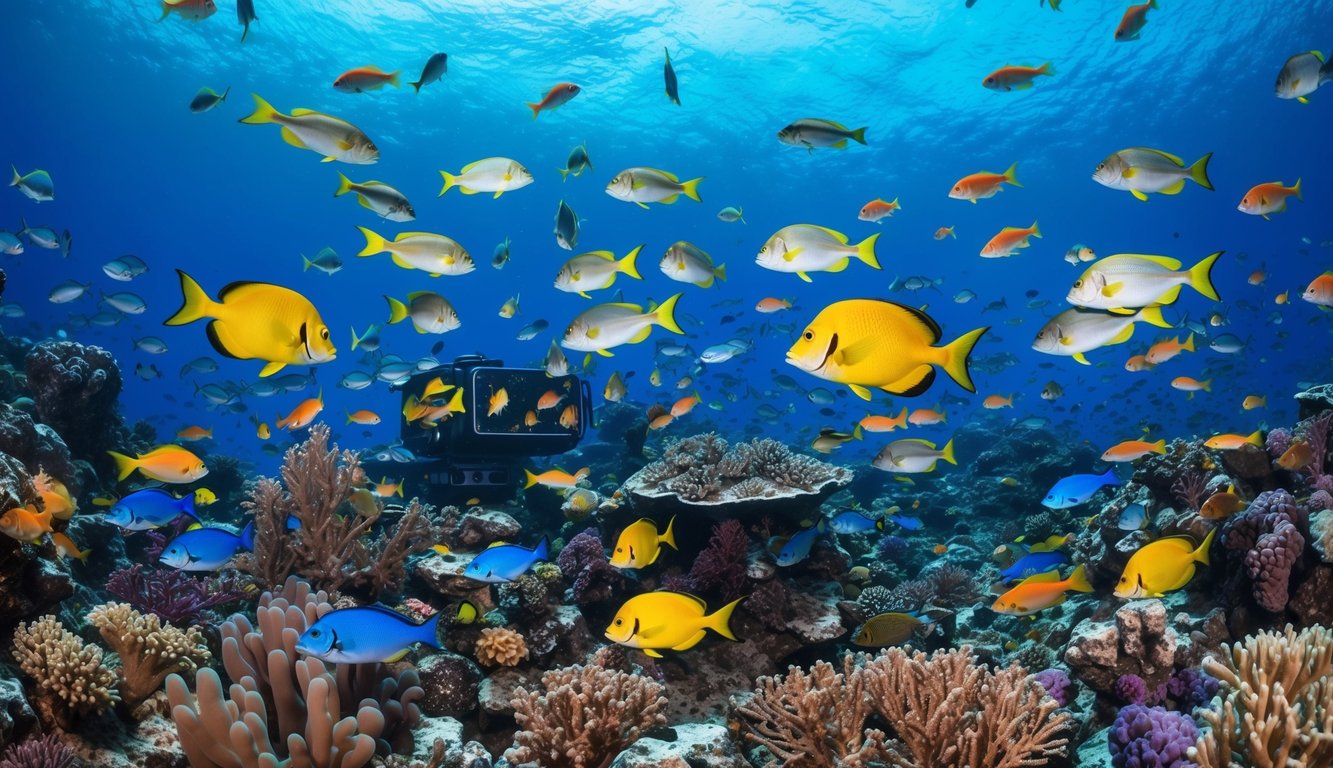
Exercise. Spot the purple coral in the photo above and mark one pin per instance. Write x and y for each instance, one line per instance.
(893, 548)
(1057, 685)
(584, 562)
(39, 752)
(1269, 535)
(1277, 441)
(169, 594)
(1192, 688)
(1145, 737)
(1132, 689)
(721, 565)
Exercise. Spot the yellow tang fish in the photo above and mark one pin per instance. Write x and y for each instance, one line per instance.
(639, 545)
(203, 497)
(869, 343)
(1041, 591)
(168, 463)
(667, 620)
(258, 321)
(1162, 566)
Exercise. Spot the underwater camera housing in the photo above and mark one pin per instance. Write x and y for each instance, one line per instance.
(473, 454)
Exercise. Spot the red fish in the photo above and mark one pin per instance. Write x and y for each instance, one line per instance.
(561, 93)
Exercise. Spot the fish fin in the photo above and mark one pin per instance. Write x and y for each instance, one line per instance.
(397, 656)
(691, 189)
(264, 112)
(1111, 289)
(215, 338)
(1256, 438)
(665, 314)
(651, 652)
(1078, 580)
(958, 353)
(1200, 555)
(804, 277)
(292, 139)
(838, 265)
(1201, 274)
(669, 537)
(1120, 338)
(450, 181)
(270, 369)
(1302, 100)
(839, 144)
(1139, 195)
(1081, 359)
(397, 310)
(1188, 346)
(1296, 190)
(1199, 171)
(859, 136)
(645, 205)
(125, 465)
(791, 255)
(375, 243)
(856, 353)
(1042, 578)
(398, 260)
(914, 383)
(393, 79)
(626, 265)
(865, 251)
(692, 641)
(605, 353)
(1023, 86)
(195, 302)
(860, 391)
(364, 202)
(344, 183)
(946, 453)
(1153, 316)
(1174, 189)
(1010, 176)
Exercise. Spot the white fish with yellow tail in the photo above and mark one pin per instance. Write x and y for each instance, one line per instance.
(258, 321)
(1076, 331)
(430, 312)
(811, 132)
(913, 456)
(1301, 75)
(426, 251)
(1140, 280)
(332, 137)
(1140, 171)
(379, 197)
(595, 270)
(606, 326)
(650, 185)
(873, 344)
(491, 174)
(805, 248)
(688, 263)
(556, 362)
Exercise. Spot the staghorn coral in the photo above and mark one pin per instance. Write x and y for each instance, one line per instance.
(500, 647)
(584, 717)
(333, 551)
(1144, 737)
(39, 752)
(1277, 709)
(148, 651)
(72, 682)
(171, 595)
(1267, 537)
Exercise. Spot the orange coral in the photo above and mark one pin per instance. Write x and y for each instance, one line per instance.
(501, 647)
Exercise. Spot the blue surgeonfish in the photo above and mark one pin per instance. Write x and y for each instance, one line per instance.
(505, 562)
(365, 634)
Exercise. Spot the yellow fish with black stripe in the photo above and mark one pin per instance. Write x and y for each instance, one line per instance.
(875, 344)
(640, 544)
(258, 321)
(675, 621)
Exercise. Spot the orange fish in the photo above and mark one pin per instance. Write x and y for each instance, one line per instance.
(499, 399)
(770, 305)
(364, 79)
(385, 488)
(559, 94)
(1254, 401)
(1320, 291)
(55, 496)
(1138, 364)
(530, 419)
(685, 405)
(1230, 442)
(1298, 456)
(569, 418)
(556, 478)
(872, 423)
(1132, 22)
(1130, 450)
(1020, 78)
(1165, 350)
(65, 547)
(1281, 298)
(1221, 505)
(302, 415)
(924, 417)
(995, 402)
(1257, 277)
(940, 549)
(1041, 591)
(984, 184)
(1009, 241)
(549, 399)
(168, 463)
(194, 434)
(878, 209)
(1187, 384)
(1264, 199)
(944, 232)
(365, 418)
(25, 524)
(661, 421)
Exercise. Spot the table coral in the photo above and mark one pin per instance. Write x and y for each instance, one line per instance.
(72, 680)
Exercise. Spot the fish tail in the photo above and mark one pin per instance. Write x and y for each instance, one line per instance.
(1199, 171)
(1078, 580)
(1200, 555)
(564, 174)
(532, 479)
(901, 421)
(691, 189)
(125, 465)
(1159, 447)
(166, 11)
(14, 182)
(542, 550)
(947, 453)
(226, 91)
(306, 264)
(195, 303)
(355, 340)
(450, 181)
(393, 78)
(1011, 176)
(397, 310)
(456, 404)
(1296, 190)
(416, 86)
(665, 314)
(264, 112)
(857, 433)
(858, 135)
(957, 355)
(626, 265)
(720, 621)
(1153, 316)
(1153, 4)
(721, 272)
(1047, 69)
(669, 536)
(344, 185)
(1201, 276)
(82, 555)
(248, 536)
(430, 631)
(1256, 438)
(1036, 231)
(1207, 385)
(865, 251)
(375, 243)
(536, 109)
(1188, 346)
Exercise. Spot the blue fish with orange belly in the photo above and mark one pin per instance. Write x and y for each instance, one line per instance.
(365, 634)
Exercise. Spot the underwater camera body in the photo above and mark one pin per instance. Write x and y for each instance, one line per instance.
(480, 451)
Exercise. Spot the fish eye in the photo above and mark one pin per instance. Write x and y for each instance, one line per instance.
(315, 633)
(809, 335)
(618, 622)
(1100, 166)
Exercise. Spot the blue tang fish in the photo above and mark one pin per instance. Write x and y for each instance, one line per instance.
(907, 523)
(797, 548)
(1036, 562)
(364, 634)
(1076, 489)
(852, 521)
(149, 508)
(505, 562)
(206, 549)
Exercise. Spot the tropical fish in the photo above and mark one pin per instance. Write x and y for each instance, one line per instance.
(1301, 75)
(1042, 591)
(566, 227)
(430, 312)
(983, 184)
(1033, 563)
(797, 547)
(1136, 16)
(510, 307)
(669, 76)
(1009, 78)
(302, 415)
(595, 270)
(167, 463)
(1009, 241)
(555, 478)
(491, 174)
(1297, 457)
(1076, 489)
(1076, 331)
(639, 545)
(1221, 505)
(25, 524)
(615, 390)
(731, 214)
(996, 402)
(205, 549)
(1320, 291)
(149, 508)
(912, 456)
(10, 243)
(436, 67)
(606, 326)
(1133, 518)
(1140, 171)
(1187, 384)
(650, 185)
(258, 321)
(55, 497)
(505, 562)
(362, 79)
(558, 95)
(245, 13)
(194, 10)
(852, 521)
(874, 423)
(498, 401)
(500, 256)
(1271, 197)
(1162, 351)
(944, 232)
(869, 343)
(893, 628)
(382, 199)
(804, 248)
(426, 251)
(125, 268)
(366, 634)
(1137, 280)
(332, 137)
(194, 433)
(1253, 401)
(1162, 566)
(688, 263)
(657, 621)
(207, 98)
(203, 497)
(830, 440)
(811, 132)
(66, 547)
(877, 209)
(576, 163)
(35, 185)
(1130, 450)
(1231, 442)
(1078, 253)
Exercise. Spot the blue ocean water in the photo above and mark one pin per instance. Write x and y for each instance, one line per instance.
(98, 93)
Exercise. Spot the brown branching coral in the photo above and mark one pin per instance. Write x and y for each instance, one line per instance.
(332, 550)
(1277, 709)
(72, 681)
(501, 647)
(148, 650)
(584, 717)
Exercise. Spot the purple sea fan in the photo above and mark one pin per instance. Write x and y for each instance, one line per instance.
(721, 565)
(893, 548)
(1144, 737)
(170, 594)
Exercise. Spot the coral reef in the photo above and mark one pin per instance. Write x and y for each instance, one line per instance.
(584, 717)
(39, 752)
(72, 682)
(38, 446)
(148, 650)
(171, 595)
(1144, 737)
(1267, 537)
(583, 563)
(75, 388)
(500, 647)
(721, 566)
(1138, 641)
